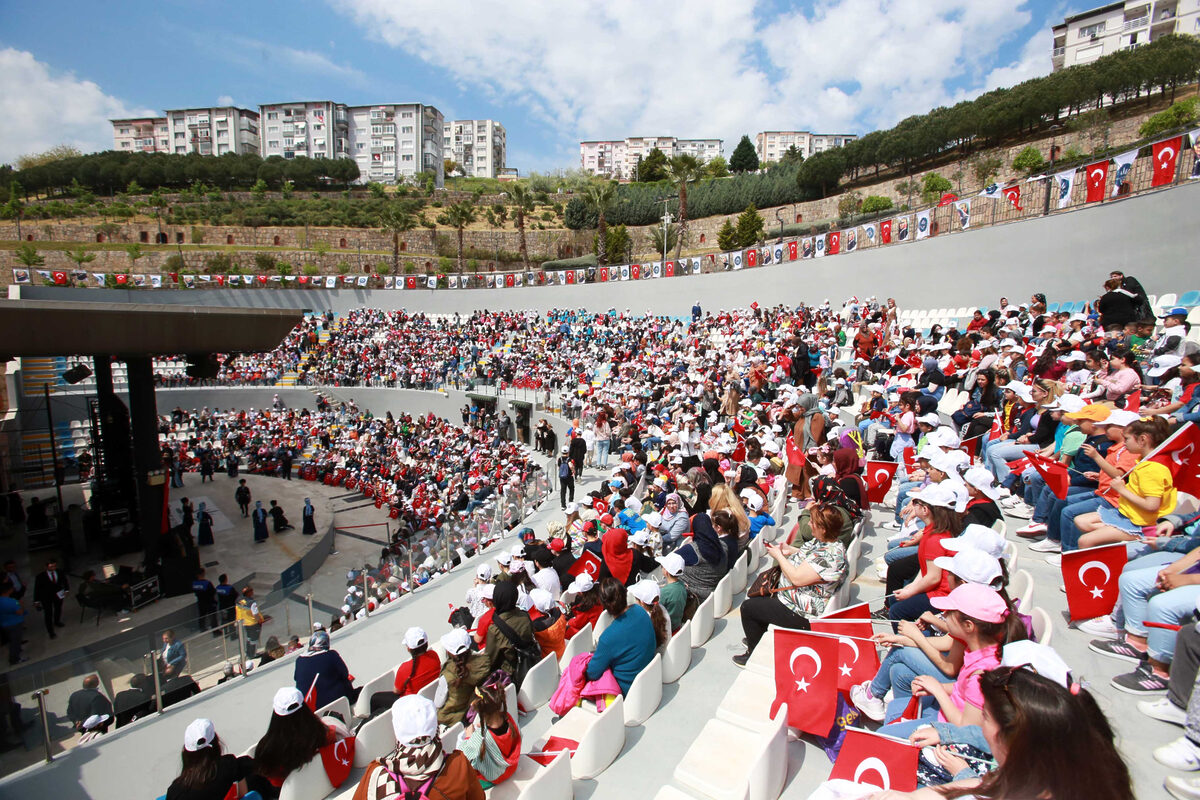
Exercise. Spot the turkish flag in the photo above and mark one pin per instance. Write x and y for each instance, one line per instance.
(571, 277)
(338, 758)
(1091, 577)
(589, 563)
(1180, 453)
(752, 257)
(972, 446)
(1133, 401)
(806, 678)
(509, 280)
(792, 250)
(739, 452)
(910, 459)
(310, 698)
(220, 280)
(635, 271)
(858, 660)
(262, 278)
(997, 430)
(1053, 472)
(60, 277)
(1165, 155)
(1013, 195)
(879, 479)
(303, 280)
(877, 760)
(553, 746)
(604, 274)
(670, 272)
(792, 451)
(859, 611)
(885, 232)
(1097, 178)
(410, 282)
(834, 245)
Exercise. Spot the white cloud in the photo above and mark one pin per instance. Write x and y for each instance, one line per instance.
(225, 100)
(40, 109)
(709, 68)
(282, 60)
(1033, 62)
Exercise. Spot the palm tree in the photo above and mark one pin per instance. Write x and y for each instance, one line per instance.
(683, 169)
(600, 196)
(522, 202)
(397, 218)
(459, 216)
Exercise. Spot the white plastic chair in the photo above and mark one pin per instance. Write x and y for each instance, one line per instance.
(741, 568)
(540, 683)
(579, 643)
(677, 657)
(1043, 626)
(601, 737)
(310, 781)
(1010, 555)
(703, 621)
(645, 693)
(747, 703)
(510, 700)
(375, 738)
(382, 683)
(723, 596)
(605, 619)
(853, 554)
(450, 737)
(727, 762)
(762, 660)
(532, 781)
(428, 690)
(1020, 588)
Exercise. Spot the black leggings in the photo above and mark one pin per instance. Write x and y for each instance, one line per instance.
(759, 612)
(901, 573)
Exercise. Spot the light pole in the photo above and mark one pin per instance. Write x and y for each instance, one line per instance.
(779, 219)
(666, 222)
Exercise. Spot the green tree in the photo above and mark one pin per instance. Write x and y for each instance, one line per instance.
(727, 237)
(619, 243)
(744, 159)
(28, 255)
(683, 169)
(397, 218)
(459, 216)
(792, 156)
(577, 216)
(820, 174)
(873, 204)
(849, 204)
(134, 188)
(985, 168)
(1178, 115)
(717, 167)
(933, 186)
(599, 197)
(1029, 161)
(81, 257)
(134, 251)
(522, 202)
(14, 208)
(450, 167)
(259, 190)
(750, 227)
(652, 168)
(672, 238)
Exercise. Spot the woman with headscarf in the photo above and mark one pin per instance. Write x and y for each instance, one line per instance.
(258, 518)
(674, 522)
(618, 558)
(828, 492)
(308, 515)
(808, 432)
(847, 472)
(205, 534)
(704, 556)
(323, 669)
(509, 628)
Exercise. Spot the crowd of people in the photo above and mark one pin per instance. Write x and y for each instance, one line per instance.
(694, 426)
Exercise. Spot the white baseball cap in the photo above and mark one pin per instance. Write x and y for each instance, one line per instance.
(1162, 364)
(935, 494)
(1022, 390)
(973, 566)
(484, 572)
(640, 538)
(503, 558)
(582, 583)
(542, 600)
(653, 519)
(288, 700)
(487, 590)
(1067, 402)
(1121, 417)
(752, 498)
(977, 537)
(983, 480)
(1043, 658)
(645, 591)
(413, 718)
(456, 641)
(95, 721)
(672, 564)
(199, 734)
(415, 637)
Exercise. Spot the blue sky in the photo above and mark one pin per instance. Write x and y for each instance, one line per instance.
(553, 73)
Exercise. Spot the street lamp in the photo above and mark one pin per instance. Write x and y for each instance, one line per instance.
(666, 218)
(779, 219)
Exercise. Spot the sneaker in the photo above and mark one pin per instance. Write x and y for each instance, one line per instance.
(867, 703)
(1004, 493)
(1142, 680)
(1180, 754)
(880, 563)
(742, 658)
(1046, 546)
(1183, 788)
(1100, 627)
(1164, 710)
(881, 574)
(1056, 561)
(892, 525)
(1009, 500)
(1033, 530)
(880, 613)
(1118, 649)
(1021, 511)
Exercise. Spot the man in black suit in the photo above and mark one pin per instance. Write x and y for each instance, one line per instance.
(49, 590)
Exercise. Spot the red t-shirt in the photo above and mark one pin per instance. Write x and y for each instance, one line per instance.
(417, 673)
(929, 549)
(482, 624)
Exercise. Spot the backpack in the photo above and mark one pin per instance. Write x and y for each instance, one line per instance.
(528, 652)
(564, 469)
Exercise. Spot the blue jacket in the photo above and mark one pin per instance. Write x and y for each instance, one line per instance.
(758, 522)
(10, 612)
(329, 671)
(625, 647)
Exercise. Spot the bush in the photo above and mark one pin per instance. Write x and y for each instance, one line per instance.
(749, 227)
(310, 269)
(1029, 161)
(727, 236)
(264, 262)
(571, 263)
(579, 217)
(343, 267)
(873, 204)
(220, 263)
(848, 204)
(933, 186)
(197, 235)
(1177, 116)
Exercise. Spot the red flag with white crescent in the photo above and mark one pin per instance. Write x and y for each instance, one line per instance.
(1053, 472)
(338, 758)
(792, 250)
(1091, 577)
(834, 245)
(1097, 178)
(1166, 153)
(1180, 453)
(793, 452)
(635, 271)
(589, 563)
(670, 269)
(60, 277)
(806, 679)
(874, 759)
(879, 475)
(604, 274)
(1133, 401)
(752, 257)
(1013, 195)
(997, 430)
(885, 231)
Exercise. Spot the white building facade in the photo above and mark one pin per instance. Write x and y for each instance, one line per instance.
(771, 145)
(212, 131)
(1083, 38)
(141, 135)
(317, 129)
(395, 142)
(479, 146)
(618, 159)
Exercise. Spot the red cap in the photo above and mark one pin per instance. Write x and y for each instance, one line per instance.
(556, 545)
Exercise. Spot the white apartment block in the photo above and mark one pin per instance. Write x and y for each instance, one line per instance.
(142, 135)
(394, 142)
(1083, 38)
(212, 131)
(771, 145)
(479, 146)
(317, 129)
(618, 159)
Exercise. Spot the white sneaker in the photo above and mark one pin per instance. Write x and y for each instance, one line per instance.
(891, 525)
(1180, 754)
(865, 702)
(1021, 511)
(1004, 493)
(1009, 500)
(1183, 788)
(1046, 546)
(1032, 530)
(881, 563)
(1164, 710)
(1100, 627)
(1055, 561)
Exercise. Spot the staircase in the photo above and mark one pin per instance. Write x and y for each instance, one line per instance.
(38, 373)
(290, 378)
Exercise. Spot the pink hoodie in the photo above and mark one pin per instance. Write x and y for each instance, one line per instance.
(574, 686)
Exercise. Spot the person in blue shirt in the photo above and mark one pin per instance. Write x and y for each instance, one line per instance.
(12, 622)
(174, 655)
(752, 501)
(628, 644)
(325, 670)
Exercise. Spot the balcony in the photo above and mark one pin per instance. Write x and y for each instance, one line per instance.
(1058, 51)
(1133, 24)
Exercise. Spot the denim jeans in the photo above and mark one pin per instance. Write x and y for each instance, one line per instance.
(998, 456)
(602, 446)
(896, 672)
(902, 495)
(1038, 495)
(1141, 601)
(902, 730)
(1054, 520)
(910, 609)
(896, 553)
(1068, 531)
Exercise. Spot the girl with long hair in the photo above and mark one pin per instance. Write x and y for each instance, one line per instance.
(492, 742)
(934, 505)
(293, 738)
(206, 772)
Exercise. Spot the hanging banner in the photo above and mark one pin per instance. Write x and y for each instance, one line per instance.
(806, 248)
(696, 265)
(1122, 166)
(850, 239)
(1064, 182)
(833, 243)
(963, 208)
(189, 281)
(156, 281)
(331, 282)
(777, 254)
(924, 223)
(793, 250)
(869, 233)
(21, 275)
(902, 229)
(736, 259)
(819, 244)
(431, 281)
(1165, 156)
(1013, 195)
(624, 272)
(635, 272)
(992, 190)
(604, 274)
(1195, 137)
(1097, 177)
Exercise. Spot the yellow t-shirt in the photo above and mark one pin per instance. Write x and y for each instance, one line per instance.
(1149, 479)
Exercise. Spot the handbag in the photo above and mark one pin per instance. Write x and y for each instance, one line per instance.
(764, 584)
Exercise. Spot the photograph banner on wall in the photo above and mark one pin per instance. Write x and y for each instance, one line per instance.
(902, 231)
(870, 234)
(924, 223)
(190, 281)
(850, 240)
(963, 209)
(1122, 166)
(806, 248)
(819, 246)
(21, 275)
(389, 282)
(1195, 138)
(1064, 183)
(453, 282)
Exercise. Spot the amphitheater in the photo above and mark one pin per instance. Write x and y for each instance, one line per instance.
(698, 727)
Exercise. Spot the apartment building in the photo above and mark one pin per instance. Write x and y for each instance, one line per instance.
(212, 131)
(317, 129)
(142, 135)
(771, 145)
(618, 159)
(479, 146)
(1083, 38)
(394, 142)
